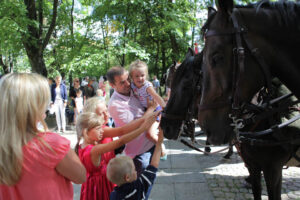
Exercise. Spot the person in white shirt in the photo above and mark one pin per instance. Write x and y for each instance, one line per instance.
(59, 101)
(78, 103)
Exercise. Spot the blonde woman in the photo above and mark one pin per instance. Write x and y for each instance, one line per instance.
(33, 165)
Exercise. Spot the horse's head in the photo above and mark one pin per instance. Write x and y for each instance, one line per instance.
(182, 92)
(231, 75)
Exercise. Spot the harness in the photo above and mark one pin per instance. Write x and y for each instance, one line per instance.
(239, 109)
(188, 119)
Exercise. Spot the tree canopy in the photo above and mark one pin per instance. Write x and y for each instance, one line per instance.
(86, 37)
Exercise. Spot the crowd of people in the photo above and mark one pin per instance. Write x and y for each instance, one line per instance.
(78, 93)
(36, 163)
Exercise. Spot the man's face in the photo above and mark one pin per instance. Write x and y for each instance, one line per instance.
(122, 84)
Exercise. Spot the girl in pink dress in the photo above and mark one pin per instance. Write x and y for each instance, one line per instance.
(34, 165)
(95, 155)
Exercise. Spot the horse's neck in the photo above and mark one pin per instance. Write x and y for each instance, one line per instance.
(280, 47)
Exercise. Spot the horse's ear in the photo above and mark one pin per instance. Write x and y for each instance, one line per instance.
(174, 63)
(225, 6)
(211, 11)
(189, 53)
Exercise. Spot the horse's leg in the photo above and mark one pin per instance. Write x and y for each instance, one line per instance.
(255, 175)
(207, 149)
(229, 153)
(273, 178)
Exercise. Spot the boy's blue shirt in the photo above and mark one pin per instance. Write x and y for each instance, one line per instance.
(137, 189)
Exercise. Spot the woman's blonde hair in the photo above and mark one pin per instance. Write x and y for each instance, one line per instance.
(23, 101)
(86, 121)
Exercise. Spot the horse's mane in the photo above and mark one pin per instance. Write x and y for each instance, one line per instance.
(289, 12)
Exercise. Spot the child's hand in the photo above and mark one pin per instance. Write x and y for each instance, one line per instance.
(151, 104)
(160, 136)
(150, 119)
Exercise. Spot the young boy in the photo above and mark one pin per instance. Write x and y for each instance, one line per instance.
(121, 171)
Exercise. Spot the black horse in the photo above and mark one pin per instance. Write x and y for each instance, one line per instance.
(245, 46)
(180, 113)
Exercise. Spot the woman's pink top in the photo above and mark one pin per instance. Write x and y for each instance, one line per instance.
(39, 179)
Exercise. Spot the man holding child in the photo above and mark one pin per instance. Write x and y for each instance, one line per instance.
(124, 107)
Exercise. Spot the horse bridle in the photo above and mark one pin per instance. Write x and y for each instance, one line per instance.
(190, 112)
(239, 32)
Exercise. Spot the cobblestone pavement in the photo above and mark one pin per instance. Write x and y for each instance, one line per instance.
(191, 175)
(225, 178)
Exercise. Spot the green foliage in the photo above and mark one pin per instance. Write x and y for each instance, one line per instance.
(91, 35)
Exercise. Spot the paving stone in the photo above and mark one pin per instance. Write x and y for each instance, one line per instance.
(235, 190)
(218, 193)
(293, 196)
(162, 192)
(192, 191)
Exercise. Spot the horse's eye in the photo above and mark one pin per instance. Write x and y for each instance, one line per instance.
(217, 59)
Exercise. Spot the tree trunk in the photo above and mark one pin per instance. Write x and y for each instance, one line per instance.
(193, 36)
(175, 47)
(11, 62)
(34, 42)
(4, 66)
(37, 62)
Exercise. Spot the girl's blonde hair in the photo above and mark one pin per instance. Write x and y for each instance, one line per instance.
(23, 102)
(86, 121)
(138, 65)
(92, 103)
(99, 93)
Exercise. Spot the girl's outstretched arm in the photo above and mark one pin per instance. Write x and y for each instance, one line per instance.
(156, 97)
(99, 149)
(119, 131)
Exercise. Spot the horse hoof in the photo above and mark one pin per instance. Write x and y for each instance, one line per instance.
(247, 185)
(248, 180)
(226, 157)
(207, 149)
